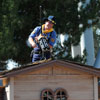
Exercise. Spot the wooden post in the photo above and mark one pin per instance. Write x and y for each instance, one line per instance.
(95, 81)
(11, 88)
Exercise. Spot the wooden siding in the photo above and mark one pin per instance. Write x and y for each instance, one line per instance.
(78, 85)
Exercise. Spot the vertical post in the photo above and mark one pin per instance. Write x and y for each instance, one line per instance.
(11, 88)
(41, 28)
(41, 18)
(95, 81)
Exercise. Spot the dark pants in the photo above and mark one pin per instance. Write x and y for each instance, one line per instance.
(39, 55)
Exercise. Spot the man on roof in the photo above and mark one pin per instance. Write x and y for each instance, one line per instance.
(42, 39)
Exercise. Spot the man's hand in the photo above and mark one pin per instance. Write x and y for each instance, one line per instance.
(39, 37)
(50, 46)
(33, 44)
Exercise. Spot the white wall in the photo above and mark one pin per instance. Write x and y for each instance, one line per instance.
(87, 42)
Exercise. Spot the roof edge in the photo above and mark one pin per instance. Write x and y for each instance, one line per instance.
(37, 65)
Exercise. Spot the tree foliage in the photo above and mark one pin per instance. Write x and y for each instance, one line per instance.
(19, 17)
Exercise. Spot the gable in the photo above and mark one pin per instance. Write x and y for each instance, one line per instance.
(54, 67)
(55, 70)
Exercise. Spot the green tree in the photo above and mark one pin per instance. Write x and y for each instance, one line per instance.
(75, 18)
(19, 18)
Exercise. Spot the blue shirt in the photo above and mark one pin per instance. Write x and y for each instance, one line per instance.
(51, 36)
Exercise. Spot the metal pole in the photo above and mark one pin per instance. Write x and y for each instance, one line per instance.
(43, 57)
(41, 18)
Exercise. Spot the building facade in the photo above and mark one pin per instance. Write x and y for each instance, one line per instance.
(52, 80)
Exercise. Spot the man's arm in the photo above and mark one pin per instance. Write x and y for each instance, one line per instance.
(31, 41)
(33, 36)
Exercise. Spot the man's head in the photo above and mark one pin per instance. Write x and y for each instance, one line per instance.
(51, 19)
(49, 22)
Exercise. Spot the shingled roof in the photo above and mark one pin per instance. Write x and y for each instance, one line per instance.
(45, 63)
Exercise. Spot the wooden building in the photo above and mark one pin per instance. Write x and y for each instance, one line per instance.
(51, 80)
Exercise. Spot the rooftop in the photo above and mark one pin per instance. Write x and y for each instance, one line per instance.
(43, 63)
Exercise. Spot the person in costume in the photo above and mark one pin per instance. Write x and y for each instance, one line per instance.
(47, 31)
